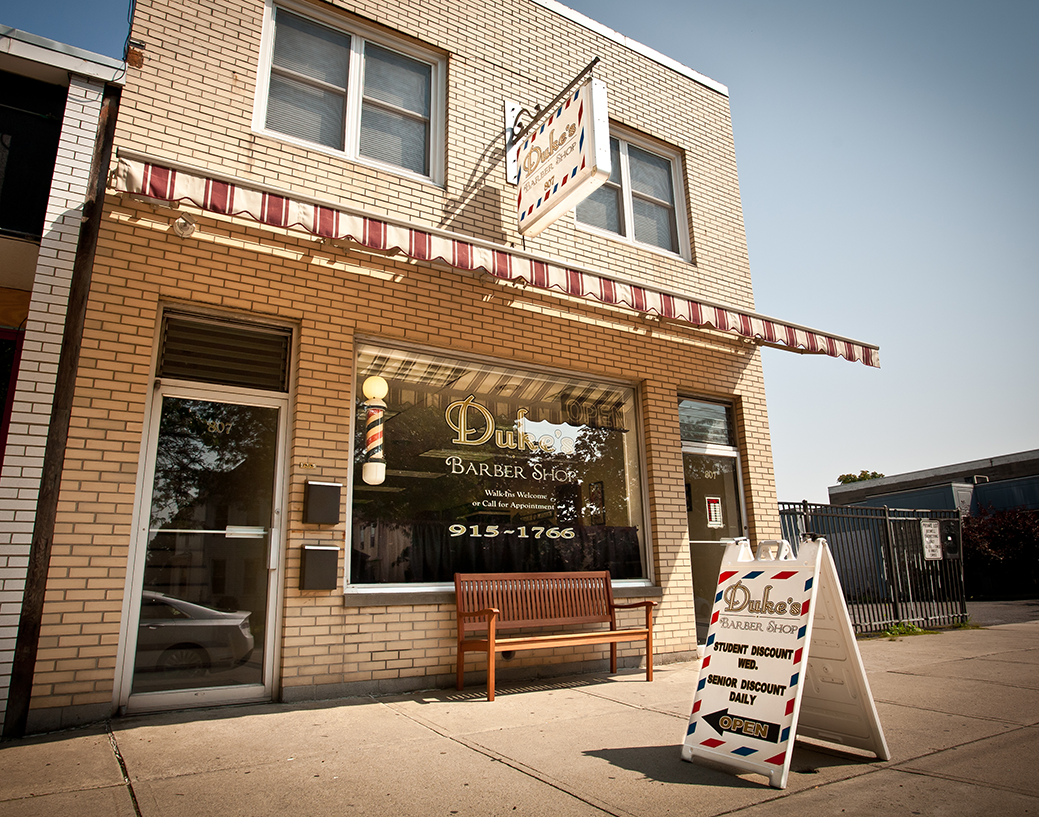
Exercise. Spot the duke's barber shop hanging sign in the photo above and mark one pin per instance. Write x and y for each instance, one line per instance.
(564, 159)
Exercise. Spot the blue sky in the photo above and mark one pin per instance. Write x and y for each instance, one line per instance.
(890, 181)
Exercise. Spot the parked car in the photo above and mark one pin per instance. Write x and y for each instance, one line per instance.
(190, 638)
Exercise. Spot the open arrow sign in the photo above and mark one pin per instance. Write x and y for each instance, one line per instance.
(721, 721)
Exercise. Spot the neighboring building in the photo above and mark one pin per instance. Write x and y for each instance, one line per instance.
(1000, 483)
(309, 195)
(52, 98)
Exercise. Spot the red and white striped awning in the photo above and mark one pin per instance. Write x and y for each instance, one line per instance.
(160, 179)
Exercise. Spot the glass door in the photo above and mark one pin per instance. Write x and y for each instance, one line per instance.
(204, 629)
(713, 495)
(714, 511)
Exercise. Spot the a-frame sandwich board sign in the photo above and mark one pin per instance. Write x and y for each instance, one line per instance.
(780, 660)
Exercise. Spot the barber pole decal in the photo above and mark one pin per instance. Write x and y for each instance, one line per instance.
(375, 389)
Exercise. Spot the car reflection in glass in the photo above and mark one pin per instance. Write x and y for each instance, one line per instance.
(186, 640)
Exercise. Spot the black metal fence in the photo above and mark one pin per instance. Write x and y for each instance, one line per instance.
(893, 566)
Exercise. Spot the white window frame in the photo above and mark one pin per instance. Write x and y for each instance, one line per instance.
(625, 138)
(359, 34)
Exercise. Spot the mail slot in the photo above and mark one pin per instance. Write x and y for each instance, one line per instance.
(321, 503)
(319, 568)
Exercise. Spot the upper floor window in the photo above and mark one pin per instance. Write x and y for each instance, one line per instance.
(638, 201)
(380, 101)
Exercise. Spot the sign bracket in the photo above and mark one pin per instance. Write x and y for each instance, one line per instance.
(513, 112)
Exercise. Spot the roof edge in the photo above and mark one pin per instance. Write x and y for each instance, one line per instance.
(912, 479)
(78, 61)
(634, 45)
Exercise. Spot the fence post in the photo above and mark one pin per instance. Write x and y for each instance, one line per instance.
(889, 551)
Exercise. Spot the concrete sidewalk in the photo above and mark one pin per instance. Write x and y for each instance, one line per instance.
(960, 710)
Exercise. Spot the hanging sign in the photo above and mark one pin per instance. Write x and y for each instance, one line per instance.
(780, 659)
(564, 159)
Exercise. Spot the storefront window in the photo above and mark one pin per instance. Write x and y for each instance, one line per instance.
(492, 469)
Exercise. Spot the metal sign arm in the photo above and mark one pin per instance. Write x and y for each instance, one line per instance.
(513, 112)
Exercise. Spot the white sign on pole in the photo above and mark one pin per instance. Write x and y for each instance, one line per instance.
(564, 159)
(931, 531)
(780, 660)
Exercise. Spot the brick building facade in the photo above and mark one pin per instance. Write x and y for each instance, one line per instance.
(307, 195)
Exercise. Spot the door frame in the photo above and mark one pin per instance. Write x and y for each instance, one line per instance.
(730, 452)
(131, 608)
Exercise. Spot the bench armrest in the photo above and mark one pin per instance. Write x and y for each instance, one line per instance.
(649, 605)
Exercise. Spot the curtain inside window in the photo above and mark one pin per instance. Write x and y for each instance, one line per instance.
(307, 96)
(653, 199)
(396, 108)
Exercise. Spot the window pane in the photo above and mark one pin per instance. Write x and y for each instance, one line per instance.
(650, 175)
(701, 422)
(602, 209)
(394, 138)
(712, 500)
(306, 112)
(615, 162)
(654, 224)
(397, 80)
(312, 50)
(496, 469)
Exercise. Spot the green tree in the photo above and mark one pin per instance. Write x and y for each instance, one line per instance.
(999, 553)
(862, 476)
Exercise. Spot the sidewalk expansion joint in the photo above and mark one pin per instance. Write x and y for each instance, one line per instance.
(122, 768)
(640, 707)
(512, 763)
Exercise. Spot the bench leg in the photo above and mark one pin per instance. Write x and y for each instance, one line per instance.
(491, 656)
(613, 658)
(460, 681)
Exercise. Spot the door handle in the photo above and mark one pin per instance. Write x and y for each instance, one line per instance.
(244, 532)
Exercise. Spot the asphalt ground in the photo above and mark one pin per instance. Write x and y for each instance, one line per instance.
(959, 709)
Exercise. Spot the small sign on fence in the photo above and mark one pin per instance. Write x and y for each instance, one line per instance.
(780, 660)
(930, 530)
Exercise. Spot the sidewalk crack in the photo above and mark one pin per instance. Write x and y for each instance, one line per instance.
(122, 768)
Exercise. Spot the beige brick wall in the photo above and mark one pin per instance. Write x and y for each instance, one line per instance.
(192, 101)
(332, 296)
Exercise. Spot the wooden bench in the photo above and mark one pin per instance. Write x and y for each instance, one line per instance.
(491, 602)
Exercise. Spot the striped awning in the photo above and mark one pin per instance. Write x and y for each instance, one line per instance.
(156, 179)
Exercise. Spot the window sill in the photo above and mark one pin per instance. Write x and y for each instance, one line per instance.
(631, 243)
(346, 157)
(436, 595)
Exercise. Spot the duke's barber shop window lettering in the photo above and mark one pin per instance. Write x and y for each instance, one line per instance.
(491, 469)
